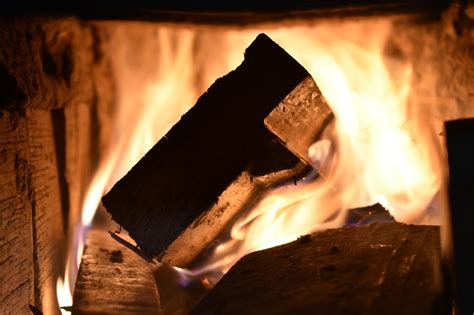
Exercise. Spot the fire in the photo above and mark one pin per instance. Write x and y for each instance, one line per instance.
(381, 154)
(375, 151)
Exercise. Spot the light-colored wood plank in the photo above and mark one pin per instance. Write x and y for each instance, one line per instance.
(113, 279)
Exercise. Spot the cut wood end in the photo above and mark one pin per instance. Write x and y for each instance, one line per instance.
(381, 268)
(300, 118)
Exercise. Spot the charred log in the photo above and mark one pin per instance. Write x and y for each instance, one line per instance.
(229, 12)
(381, 268)
(460, 145)
(221, 137)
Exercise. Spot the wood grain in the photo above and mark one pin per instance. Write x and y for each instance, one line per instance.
(460, 146)
(300, 118)
(381, 268)
(113, 280)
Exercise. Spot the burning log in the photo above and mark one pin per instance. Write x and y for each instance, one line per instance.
(459, 142)
(381, 268)
(113, 280)
(214, 150)
(241, 195)
(49, 99)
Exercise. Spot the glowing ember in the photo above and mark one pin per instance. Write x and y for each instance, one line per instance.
(374, 153)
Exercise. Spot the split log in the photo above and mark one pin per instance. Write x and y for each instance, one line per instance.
(112, 279)
(221, 137)
(381, 268)
(460, 145)
(48, 102)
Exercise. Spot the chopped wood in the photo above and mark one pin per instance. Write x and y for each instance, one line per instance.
(381, 268)
(48, 131)
(16, 234)
(366, 215)
(112, 279)
(222, 136)
(229, 12)
(460, 236)
(300, 118)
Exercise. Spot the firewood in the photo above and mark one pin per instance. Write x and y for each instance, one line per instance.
(460, 236)
(243, 194)
(229, 12)
(112, 279)
(49, 103)
(381, 268)
(221, 137)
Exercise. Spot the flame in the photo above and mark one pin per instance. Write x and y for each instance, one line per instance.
(381, 153)
(375, 152)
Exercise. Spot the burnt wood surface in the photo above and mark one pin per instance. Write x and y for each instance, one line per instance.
(381, 268)
(112, 279)
(460, 145)
(224, 12)
(221, 136)
(300, 118)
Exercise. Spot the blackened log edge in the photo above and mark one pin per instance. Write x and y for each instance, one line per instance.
(381, 268)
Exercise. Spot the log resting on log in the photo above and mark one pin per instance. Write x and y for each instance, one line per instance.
(112, 279)
(381, 268)
(460, 145)
(220, 138)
